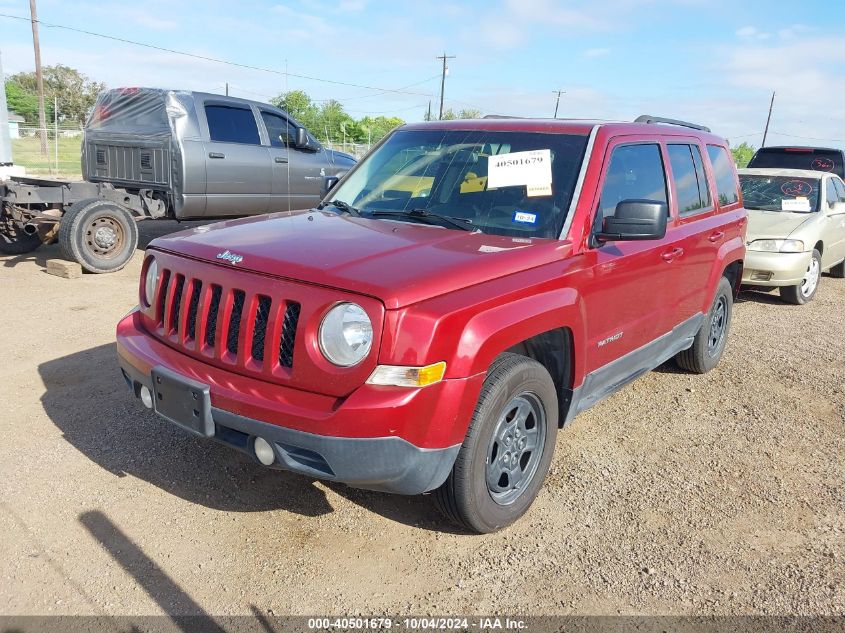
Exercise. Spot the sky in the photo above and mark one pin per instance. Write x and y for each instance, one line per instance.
(714, 62)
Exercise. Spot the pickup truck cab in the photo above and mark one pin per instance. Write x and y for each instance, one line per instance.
(435, 335)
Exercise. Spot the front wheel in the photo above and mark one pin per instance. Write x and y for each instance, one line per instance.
(804, 292)
(100, 235)
(508, 448)
(709, 343)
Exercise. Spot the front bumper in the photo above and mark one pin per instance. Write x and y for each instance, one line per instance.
(391, 439)
(774, 269)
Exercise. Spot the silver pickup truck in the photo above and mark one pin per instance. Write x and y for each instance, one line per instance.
(150, 153)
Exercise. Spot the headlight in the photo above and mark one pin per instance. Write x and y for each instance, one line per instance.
(346, 335)
(777, 246)
(150, 281)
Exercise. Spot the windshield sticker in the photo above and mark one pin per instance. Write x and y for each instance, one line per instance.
(822, 164)
(533, 191)
(796, 188)
(523, 217)
(801, 205)
(532, 168)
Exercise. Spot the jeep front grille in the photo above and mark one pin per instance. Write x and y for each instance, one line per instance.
(231, 325)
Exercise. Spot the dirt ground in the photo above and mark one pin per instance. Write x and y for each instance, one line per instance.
(680, 494)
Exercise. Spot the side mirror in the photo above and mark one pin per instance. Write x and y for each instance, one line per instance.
(635, 220)
(328, 184)
(302, 139)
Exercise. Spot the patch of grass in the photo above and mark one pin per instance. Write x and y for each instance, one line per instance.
(26, 151)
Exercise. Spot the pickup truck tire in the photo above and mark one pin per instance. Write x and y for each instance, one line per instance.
(100, 235)
(804, 292)
(507, 450)
(17, 242)
(709, 342)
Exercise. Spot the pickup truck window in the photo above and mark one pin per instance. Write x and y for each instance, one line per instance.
(635, 173)
(231, 125)
(517, 184)
(689, 178)
(724, 173)
(279, 129)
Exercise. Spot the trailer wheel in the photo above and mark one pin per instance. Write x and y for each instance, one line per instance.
(100, 235)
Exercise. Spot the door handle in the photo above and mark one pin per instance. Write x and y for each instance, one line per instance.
(672, 255)
(281, 159)
(216, 155)
(715, 237)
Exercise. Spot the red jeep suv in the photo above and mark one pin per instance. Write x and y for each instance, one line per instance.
(458, 296)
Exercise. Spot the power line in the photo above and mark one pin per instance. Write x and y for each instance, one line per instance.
(213, 59)
(809, 138)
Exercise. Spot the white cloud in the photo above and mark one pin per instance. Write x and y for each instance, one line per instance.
(596, 52)
(752, 33)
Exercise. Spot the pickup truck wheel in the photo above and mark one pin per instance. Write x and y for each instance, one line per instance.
(100, 235)
(709, 343)
(506, 454)
(13, 240)
(804, 292)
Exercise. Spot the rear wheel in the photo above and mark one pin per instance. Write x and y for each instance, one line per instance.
(100, 235)
(13, 239)
(709, 343)
(805, 291)
(506, 454)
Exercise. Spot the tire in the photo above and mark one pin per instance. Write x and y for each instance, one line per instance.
(17, 242)
(709, 342)
(838, 271)
(100, 235)
(804, 292)
(518, 402)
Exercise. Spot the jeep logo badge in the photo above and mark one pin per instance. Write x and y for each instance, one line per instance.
(230, 257)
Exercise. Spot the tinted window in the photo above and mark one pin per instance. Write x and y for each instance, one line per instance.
(635, 173)
(723, 170)
(832, 194)
(279, 129)
(840, 189)
(799, 158)
(703, 185)
(231, 125)
(689, 180)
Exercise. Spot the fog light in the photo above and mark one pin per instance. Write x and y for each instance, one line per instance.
(147, 397)
(761, 275)
(263, 451)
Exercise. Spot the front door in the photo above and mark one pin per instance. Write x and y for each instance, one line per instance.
(237, 165)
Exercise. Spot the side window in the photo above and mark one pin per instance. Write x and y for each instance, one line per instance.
(832, 194)
(279, 129)
(703, 185)
(229, 124)
(724, 172)
(689, 179)
(635, 173)
(840, 189)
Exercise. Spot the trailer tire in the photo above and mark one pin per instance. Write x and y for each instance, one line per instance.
(102, 236)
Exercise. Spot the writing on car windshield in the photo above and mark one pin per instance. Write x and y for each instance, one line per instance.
(780, 193)
(517, 184)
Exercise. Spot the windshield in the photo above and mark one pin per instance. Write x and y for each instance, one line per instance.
(780, 193)
(799, 158)
(514, 184)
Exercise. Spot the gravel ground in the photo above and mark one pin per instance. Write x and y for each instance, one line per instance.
(716, 494)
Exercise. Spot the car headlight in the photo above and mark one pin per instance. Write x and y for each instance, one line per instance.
(346, 335)
(777, 246)
(150, 281)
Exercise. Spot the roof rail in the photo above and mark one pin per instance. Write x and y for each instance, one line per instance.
(500, 116)
(647, 118)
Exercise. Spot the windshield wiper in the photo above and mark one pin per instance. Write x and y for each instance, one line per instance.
(458, 223)
(341, 205)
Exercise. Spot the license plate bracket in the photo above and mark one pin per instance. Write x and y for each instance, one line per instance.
(182, 401)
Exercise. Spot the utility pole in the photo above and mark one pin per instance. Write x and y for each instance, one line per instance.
(428, 115)
(227, 88)
(557, 103)
(444, 57)
(42, 118)
(768, 120)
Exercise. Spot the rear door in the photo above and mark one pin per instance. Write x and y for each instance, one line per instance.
(836, 222)
(297, 173)
(626, 299)
(238, 167)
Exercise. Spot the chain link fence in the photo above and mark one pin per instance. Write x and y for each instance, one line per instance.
(54, 151)
(356, 149)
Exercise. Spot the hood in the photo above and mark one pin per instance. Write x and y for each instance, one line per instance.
(775, 224)
(341, 158)
(397, 262)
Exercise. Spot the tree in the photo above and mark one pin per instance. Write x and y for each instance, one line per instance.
(23, 102)
(75, 92)
(470, 113)
(742, 154)
(376, 128)
(298, 104)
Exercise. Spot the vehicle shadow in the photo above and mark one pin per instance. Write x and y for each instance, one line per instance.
(38, 256)
(87, 399)
(767, 296)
